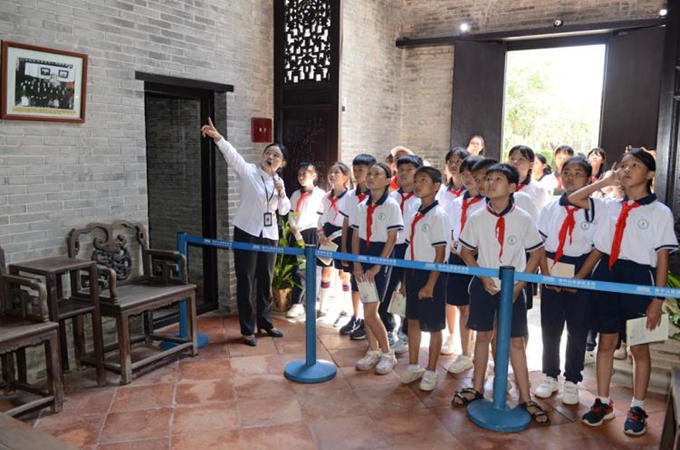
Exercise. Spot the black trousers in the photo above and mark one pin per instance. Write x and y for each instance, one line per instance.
(254, 273)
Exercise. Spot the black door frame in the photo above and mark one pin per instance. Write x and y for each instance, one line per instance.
(158, 85)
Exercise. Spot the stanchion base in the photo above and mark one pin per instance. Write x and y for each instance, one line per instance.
(507, 420)
(317, 373)
(201, 339)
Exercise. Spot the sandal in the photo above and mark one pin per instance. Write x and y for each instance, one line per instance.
(538, 415)
(466, 396)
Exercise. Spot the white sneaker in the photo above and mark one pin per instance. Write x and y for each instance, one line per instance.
(570, 393)
(429, 381)
(401, 346)
(461, 364)
(412, 374)
(386, 363)
(620, 353)
(295, 311)
(589, 358)
(369, 361)
(447, 346)
(547, 388)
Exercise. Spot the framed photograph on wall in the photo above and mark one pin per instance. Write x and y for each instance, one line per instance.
(41, 83)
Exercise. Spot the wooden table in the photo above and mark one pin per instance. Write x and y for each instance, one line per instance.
(62, 308)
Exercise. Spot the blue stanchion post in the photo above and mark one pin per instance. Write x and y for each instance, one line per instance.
(496, 415)
(183, 248)
(310, 370)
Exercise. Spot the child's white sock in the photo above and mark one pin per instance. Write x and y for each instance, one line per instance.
(639, 403)
(413, 366)
(605, 400)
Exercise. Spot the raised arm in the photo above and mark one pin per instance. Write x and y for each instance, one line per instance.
(231, 155)
(580, 198)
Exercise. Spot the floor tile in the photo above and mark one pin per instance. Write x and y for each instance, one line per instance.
(143, 397)
(208, 439)
(132, 425)
(256, 365)
(368, 379)
(269, 411)
(163, 374)
(293, 436)
(261, 386)
(204, 391)
(265, 346)
(388, 399)
(324, 404)
(198, 369)
(88, 401)
(209, 416)
(144, 444)
(80, 431)
(352, 433)
(407, 430)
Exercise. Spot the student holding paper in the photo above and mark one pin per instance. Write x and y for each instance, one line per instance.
(376, 224)
(633, 240)
(568, 232)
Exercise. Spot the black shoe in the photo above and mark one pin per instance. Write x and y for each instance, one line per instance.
(360, 332)
(349, 326)
(273, 332)
(250, 341)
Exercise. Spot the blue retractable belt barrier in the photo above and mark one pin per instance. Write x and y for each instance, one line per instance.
(494, 416)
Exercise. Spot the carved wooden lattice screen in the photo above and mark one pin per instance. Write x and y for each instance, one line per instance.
(307, 41)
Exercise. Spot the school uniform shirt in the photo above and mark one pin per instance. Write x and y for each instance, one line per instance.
(574, 235)
(648, 229)
(524, 201)
(304, 207)
(551, 182)
(459, 212)
(536, 193)
(349, 205)
(447, 194)
(258, 195)
(385, 216)
(501, 239)
(408, 205)
(329, 209)
(427, 229)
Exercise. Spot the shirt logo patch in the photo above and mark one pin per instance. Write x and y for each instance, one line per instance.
(512, 240)
(585, 226)
(643, 224)
(382, 216)
(425, 228)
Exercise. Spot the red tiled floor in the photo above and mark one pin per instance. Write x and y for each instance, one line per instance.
(235, 397)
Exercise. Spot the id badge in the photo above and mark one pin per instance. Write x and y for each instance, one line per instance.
(268, 219)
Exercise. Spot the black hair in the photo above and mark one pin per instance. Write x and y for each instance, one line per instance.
(432, 172)
(416, 161)
(389, 158)
(284, 151)
(306, 165)
(384, 167)
(457, 151)
(484, 163)
(481, 152)
(603, 155)
(547, 170)
(363, 159)
(468, 163)
(345, 171)
(581, 161)
(645, 158)
(527, 153)
(564, 149)
(510, 173)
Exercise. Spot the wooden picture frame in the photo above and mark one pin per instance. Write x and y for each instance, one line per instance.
(43, 84)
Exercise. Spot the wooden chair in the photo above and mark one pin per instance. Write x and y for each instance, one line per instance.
(162, 283)
(24, 322)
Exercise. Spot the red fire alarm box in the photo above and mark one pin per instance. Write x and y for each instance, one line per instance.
(260, 129)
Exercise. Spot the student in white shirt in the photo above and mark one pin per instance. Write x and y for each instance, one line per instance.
(568, 233)
(263, 194)
(553, 182)
(376, 224)
(633, 240)
(522, 158)
(453, 188)
(303, 220)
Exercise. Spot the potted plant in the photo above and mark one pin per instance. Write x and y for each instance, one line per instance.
(284, 268)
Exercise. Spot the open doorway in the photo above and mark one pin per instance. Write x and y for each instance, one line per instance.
(553, 96)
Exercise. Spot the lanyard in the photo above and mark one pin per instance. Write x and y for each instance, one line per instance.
(266, 192)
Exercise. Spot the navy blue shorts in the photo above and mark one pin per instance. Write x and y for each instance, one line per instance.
(382, 278)
(610, 310)
(457, 285)
(430, 314)
(484, 308)
(329, 229)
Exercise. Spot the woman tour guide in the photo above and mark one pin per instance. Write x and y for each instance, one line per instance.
(262, 196)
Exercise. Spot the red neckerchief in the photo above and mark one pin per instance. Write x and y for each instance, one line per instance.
(500, 224)
(404, 198)
(361, 195)
(619, 230)
(333, 200)
(417, 218)
(394, 183)
(303, 198)
(456, 192)
(522, 185)
(467, 202)
(567, 228)
(370, 209)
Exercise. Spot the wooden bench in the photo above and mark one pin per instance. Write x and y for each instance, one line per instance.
(163, 282)
(24, 323)
(17, 435)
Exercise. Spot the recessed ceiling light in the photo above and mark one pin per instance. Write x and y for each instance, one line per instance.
(464, 27)
(663, 12)
(558, 23)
